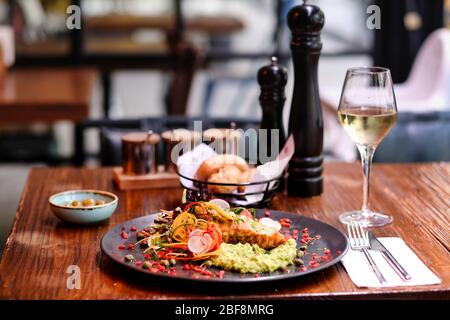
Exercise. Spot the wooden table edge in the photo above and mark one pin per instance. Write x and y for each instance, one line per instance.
(9, 239)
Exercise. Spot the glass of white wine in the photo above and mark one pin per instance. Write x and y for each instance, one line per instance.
(367, 111)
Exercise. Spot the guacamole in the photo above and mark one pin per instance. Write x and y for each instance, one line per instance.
(248, 258)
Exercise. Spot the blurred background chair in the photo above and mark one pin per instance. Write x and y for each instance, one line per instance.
(417, 137)
(428, 85)
(427, 89)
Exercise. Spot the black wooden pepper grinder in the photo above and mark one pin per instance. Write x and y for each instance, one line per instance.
(272, 79)
(305, 122)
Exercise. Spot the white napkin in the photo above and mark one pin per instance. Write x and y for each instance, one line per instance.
(362, 275)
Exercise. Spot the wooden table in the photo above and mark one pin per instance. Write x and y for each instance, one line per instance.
(41, 248)
(46, 96)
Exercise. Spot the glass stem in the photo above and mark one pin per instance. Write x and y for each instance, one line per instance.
(366, 153)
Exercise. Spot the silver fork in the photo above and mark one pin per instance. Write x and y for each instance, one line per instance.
(359, 240)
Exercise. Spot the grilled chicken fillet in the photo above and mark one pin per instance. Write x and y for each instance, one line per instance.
(247, 230)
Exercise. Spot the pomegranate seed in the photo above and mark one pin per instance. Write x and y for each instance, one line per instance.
(160, 267)
(121, 247)
(154, 270)
(305, 230)
(338, 252)
(305, 236)
(267, 213)
(124, 235)
(186, 267)
(327, 251)
(130, 246)
(133, 229)
(318, 237)
(304, 268)
(206, 273)
(138, 263)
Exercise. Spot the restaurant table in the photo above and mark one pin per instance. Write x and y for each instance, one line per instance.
(212, 25)
(40, 247)
(46, 96)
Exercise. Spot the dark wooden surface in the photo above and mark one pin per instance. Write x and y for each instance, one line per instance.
(211, 25)
(45, 95)
(41, 247)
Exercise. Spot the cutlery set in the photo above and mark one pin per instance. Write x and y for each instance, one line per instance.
(363, 240)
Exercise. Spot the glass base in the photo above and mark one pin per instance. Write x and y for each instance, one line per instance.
(368, 219)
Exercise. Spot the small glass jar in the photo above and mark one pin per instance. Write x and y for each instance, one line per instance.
(139, 152)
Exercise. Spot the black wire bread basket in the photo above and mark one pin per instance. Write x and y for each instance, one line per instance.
(200, 191)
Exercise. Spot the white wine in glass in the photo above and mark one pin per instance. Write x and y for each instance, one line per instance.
(367, 111)
(367, 126)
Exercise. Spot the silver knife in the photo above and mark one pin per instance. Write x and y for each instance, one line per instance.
(375, 244)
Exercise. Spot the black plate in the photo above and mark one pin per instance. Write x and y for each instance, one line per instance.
(330, 238)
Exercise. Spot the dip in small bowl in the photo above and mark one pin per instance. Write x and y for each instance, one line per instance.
(83, 206)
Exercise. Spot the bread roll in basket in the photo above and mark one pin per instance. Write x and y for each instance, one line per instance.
(224, 168)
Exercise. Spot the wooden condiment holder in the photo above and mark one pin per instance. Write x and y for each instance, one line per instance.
(139, 169)
(156, 180)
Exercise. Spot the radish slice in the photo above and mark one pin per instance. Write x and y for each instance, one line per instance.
(271, 224)
(196, 244)
(208, 241)
(196, 232)
(220, 203)
(199, 244)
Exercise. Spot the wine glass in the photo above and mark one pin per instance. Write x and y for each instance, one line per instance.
(367, 111)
